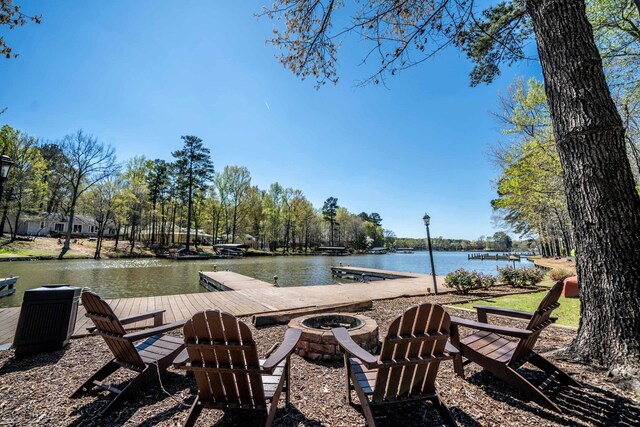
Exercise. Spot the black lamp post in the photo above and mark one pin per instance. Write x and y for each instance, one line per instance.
(426, 218)
(5, 165)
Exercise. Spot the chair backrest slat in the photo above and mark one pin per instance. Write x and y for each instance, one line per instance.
(424, 314)
(396, 378)
(386, 354)
(223, 349)
(411, 353)
(439, 323)
(538, 322)
(109, 327)
(236, 358)
(208, 382)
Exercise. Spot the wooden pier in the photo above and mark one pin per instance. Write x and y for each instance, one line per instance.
(245, 296)
(496, 257)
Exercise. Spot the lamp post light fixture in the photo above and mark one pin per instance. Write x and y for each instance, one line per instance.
(5, 165)
(426, 218)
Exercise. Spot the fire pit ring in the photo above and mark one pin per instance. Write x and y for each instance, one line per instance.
(317, 341)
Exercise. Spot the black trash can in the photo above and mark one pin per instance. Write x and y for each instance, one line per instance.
(47, 319)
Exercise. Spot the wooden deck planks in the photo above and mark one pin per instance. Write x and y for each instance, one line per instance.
(248, 296)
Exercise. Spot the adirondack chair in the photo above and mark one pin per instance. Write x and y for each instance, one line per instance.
(490, 349)
(221, 353)
(408, 363)
(148, 358)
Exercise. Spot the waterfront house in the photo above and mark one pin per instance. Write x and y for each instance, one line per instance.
(54, 224)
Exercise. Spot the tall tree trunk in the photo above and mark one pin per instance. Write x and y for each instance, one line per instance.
(216, 224)
(99, 238)
(196, 225)
(306, 237)
(153, 222)
(226, 224)
(234, 223)
(189, 208)
(72, 212)
(603, 203)
(331, 231)
(566, 241)
(132, 240)
(117, 237)
(173, 224)
(16, 221)
(162, 224)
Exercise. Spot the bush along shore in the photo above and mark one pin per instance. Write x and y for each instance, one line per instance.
(34, 390)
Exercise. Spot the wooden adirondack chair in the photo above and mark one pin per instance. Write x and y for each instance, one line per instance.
(502, 357)
(408, 363)
(148, 358)
(221, 353)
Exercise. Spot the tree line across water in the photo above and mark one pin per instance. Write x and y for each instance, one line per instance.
(170, 202)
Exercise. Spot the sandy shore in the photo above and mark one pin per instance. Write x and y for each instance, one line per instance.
(35, 390)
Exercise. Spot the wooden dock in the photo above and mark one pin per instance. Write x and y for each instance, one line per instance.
(495, 257)
(244, 296)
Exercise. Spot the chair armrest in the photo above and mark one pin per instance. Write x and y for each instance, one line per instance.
(483, 310)
(349, 346)
(289, 342)
(512, 332)
(451, 349)
(146, 333)
(181, 359)
(499, 311)
(156, 314)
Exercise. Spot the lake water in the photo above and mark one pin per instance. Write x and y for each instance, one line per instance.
(156, 276)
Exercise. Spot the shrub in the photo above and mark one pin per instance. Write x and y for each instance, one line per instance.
(558, 274)
(519, 277)
(464, 281)
(486, 280)
(461, 280)
(532, 276)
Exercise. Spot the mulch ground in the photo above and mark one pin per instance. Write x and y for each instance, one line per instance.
(34, 390)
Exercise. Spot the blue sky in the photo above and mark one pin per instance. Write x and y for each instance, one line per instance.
(138, 75)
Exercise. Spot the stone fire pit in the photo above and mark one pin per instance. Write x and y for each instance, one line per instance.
(317, 341)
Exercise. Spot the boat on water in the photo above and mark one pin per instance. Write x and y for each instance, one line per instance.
(405, 250)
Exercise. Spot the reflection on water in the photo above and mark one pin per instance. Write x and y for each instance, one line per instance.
(154, 276)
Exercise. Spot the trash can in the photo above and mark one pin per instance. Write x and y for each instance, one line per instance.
(47, 319)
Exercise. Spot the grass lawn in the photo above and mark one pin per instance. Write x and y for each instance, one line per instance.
(49, 247)
(568, 313)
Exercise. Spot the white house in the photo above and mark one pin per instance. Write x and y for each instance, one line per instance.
(44, 224)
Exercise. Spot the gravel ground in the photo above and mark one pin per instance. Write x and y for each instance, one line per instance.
(34, 391)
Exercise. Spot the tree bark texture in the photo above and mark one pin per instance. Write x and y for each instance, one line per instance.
(603, 203)
(72, 212)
